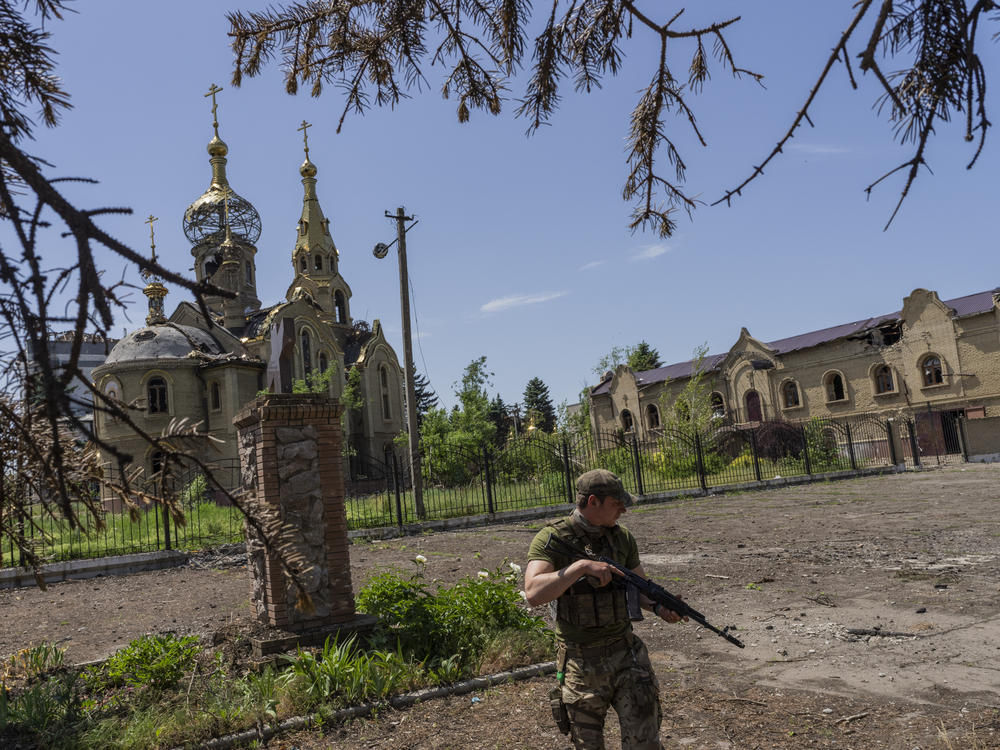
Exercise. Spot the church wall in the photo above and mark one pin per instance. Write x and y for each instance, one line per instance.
(969, 350)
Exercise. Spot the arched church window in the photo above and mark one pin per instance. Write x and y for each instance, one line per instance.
(341, 305)
(628, 424)
(790, 394)
(113, 391)
(302, 264)
(216, 396)
(383, 377)
(156, 392)
(835, 387)
(718, 405)
(931, 367)
(307, 360)
(883, 380)
(211, 266)
(652, 417)
(755, 412)
(324, 363)
(318, 262)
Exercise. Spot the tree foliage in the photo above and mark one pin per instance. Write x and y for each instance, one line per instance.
(692, 407)
(425, 397)
(643, 357)
(377, 52)
(538, 408)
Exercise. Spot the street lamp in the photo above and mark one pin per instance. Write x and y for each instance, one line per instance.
(380, 251)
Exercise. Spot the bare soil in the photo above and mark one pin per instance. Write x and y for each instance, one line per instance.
(912, 560)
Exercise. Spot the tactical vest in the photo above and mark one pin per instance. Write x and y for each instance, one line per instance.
(582, 604)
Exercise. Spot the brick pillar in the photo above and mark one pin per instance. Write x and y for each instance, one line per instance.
(290, 457)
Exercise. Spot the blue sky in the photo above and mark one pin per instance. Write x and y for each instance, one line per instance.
(522, 252)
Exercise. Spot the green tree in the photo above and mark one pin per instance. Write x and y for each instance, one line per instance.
(692, 407)
(643, 357)
(424, 395)
(538, 409)
(639, 357)
(500, 416)
(377, 51)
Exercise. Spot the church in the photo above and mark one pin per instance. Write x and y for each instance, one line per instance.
(186, 367)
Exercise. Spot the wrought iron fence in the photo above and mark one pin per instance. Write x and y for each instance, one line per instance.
(528, 471)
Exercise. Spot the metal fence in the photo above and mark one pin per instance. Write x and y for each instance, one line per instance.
(529, 471)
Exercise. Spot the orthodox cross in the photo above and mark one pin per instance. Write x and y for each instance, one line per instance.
(305, 135)
(215, 120)
(152, 237)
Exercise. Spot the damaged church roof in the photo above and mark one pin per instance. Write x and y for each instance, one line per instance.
(971, 304)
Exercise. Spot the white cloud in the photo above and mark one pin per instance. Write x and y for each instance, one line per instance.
(519, 300)
(591, 265)
(650, 251)
(817, 149)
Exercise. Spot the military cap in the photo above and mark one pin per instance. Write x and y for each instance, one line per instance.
(602, 483)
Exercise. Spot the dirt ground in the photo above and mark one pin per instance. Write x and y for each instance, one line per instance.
(915, 557)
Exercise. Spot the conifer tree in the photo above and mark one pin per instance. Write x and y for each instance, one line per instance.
(644, 357)
(538, 405)
(424, 395)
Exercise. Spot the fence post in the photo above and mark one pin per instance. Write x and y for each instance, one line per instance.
(703, 480)
(637, 466)
(850, 446)
(487, 475)
(166, 529)
(570, 494)
(805, 449)
(892, 443)
(913, 443)
(396, 490)
(753, 452)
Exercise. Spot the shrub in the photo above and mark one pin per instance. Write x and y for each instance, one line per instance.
(153, 662)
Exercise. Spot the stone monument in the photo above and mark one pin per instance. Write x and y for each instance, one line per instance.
(290, 458)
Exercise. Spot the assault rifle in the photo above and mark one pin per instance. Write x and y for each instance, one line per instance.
(653, 591)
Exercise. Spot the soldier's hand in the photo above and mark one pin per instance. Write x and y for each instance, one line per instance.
(598, 573)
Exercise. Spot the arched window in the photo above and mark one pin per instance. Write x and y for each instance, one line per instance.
(754, 411)
(156, 393)
(318, 262)
(652, 417)
(306, 346)
(383, 381)
(324, 363)
(113, 390)
(718, 405)
(790, 394)
(156, 462)
(341, 306)
(883, 379)
(931, 367)
(627, 423)
(216, 391)
(835, 387)
(302, 264)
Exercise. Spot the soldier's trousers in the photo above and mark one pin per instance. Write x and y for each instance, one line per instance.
(621, 677)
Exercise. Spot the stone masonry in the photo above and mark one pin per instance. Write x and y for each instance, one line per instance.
(290, 456)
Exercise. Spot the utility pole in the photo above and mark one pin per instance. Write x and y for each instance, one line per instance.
(416, 478)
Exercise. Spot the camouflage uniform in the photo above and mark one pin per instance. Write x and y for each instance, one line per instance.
(600, 662)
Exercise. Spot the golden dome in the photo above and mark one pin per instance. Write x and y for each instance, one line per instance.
(217, 147)
(308, 169)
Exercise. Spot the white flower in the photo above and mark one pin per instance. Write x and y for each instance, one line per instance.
(516, 568)
(483, 574)
(420, 559)
(524, 595)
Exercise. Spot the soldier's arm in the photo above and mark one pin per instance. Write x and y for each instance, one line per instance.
(543, 583)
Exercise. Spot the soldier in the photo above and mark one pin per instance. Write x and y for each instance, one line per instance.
(600, 662)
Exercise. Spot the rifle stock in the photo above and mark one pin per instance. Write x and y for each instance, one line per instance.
(653, 591)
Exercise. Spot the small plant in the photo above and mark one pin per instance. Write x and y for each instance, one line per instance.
(753, 586)
(153, 662)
